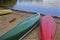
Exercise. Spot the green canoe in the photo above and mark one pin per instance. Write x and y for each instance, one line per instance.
(21, 28)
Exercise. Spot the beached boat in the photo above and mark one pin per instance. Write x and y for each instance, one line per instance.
(2, 12)
(20, 29)
(47, 28)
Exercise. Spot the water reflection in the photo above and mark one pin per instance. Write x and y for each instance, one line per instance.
(45, 7)
(41, 6)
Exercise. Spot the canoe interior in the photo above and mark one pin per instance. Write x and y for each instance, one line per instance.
(9, 21)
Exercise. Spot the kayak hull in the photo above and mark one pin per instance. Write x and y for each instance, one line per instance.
(47, 28)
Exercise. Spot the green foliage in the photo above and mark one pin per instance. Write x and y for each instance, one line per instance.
(7, 2)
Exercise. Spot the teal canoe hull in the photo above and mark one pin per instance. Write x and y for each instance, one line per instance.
(21, 28)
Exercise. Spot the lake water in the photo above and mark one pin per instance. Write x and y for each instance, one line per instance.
(39, 6)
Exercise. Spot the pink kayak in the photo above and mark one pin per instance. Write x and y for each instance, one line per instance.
(47, 28)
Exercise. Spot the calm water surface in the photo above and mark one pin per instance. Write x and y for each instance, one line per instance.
(41, 6)
(45, 7)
